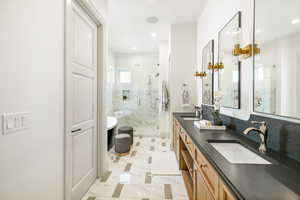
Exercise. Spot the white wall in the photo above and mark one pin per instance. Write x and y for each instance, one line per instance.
(215, 15)
(110, 82)
(183, 49)
(32, 80)
(102, 6)
(164, 52)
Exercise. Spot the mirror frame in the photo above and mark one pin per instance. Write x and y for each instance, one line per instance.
(239, 15)
(253, 66)
(211, 44)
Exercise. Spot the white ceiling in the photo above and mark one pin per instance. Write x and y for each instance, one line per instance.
(128, 26)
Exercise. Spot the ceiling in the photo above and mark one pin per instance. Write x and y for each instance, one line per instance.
(129, 31)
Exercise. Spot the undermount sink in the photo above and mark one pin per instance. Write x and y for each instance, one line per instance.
(236, 153)
(190, 118)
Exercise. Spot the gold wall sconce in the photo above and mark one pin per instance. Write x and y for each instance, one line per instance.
(246, 52)
(219, 66)
(210, 66)
(200, 74)
(256, 49)
(216, 67)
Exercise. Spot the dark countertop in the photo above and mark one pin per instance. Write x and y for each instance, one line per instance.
(278, 181)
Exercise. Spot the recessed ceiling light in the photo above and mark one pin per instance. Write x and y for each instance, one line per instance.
(152, 20)
(133, 48)
(295, 21)
(153, 34)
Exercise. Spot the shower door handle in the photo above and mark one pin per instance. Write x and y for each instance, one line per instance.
(138, 100)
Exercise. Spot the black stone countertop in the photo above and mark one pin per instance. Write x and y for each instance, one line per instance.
(277, 181)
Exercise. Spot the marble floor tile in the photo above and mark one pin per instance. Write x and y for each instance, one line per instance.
(143, 191)
(168, 179)
(179, 192)
(147, 131)
(151, 173)
(101, 189)
(160, 166)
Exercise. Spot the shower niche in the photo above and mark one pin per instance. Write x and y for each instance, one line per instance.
(125, 95)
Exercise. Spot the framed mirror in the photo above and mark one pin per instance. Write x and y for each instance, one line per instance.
(229, 74)
(208, 81)
(277, 58)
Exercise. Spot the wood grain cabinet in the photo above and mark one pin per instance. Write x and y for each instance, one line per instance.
(211, 178)
(201, 179)
(176, 138)
(224, 193)
(201, 190)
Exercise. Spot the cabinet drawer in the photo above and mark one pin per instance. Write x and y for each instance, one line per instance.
(200, 160)
(210, 176)
(190, 146)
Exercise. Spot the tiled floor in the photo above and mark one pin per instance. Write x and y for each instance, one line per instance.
(149, 172)
(147, 131)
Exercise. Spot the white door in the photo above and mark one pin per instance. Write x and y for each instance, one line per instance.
(81, 104)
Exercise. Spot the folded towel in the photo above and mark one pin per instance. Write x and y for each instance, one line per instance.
(206, 125)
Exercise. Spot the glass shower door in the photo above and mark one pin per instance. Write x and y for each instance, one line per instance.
(136, 101)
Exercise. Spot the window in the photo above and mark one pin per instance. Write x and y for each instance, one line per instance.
(125, 77)
(235, 76)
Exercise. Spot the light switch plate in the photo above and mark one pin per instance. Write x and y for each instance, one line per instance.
(14, 122)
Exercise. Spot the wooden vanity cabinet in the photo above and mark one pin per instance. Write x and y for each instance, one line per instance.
(201, 179)
(201, 190)
(190, 146)
(176, 138)
(211, 178)
(224, 193)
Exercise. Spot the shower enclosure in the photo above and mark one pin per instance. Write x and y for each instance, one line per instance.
(135, 96)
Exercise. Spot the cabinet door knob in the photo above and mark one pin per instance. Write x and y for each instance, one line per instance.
(204, 165)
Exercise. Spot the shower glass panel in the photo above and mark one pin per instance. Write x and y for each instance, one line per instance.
(135, 94)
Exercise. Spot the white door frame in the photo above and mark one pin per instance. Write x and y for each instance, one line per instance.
(102, 46)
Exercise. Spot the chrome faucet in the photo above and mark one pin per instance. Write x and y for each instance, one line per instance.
(263, 134)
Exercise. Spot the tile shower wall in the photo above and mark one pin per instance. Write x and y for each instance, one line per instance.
(135, 100)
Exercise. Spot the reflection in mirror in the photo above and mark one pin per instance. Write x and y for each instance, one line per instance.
(207, 82)
(277, 65)
(229, 77)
